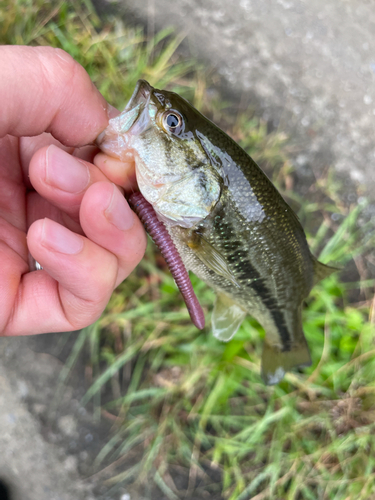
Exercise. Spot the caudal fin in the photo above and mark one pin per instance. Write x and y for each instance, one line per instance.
(275, 362)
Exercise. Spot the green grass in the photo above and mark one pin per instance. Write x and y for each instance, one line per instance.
(193, 402)
(189, 412)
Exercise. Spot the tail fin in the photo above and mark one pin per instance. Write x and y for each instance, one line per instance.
(275, 362)
(278, 358)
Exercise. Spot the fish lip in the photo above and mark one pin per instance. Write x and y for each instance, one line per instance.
(137, 109)
(126, 121)
(140, 95)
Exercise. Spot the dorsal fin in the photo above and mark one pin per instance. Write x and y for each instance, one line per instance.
(321, 270)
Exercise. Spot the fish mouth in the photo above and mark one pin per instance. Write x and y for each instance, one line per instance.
(133, 120)
(141, 94)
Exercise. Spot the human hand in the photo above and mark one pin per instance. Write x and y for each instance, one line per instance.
(51, 194)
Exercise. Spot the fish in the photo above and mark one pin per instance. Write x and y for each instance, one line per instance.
(229, 224)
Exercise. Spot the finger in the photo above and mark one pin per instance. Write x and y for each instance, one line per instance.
(62, 178)
(120, 172)
(73, 288)
(28, 146)
(86, 153)
(13, 267)
(43, 89)
(107, 219)
(15, 240)
(12, 189)
(38, 207)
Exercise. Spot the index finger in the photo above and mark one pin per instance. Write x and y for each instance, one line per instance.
(43, 89)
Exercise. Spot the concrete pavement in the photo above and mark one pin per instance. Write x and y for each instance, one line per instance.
(307, 65)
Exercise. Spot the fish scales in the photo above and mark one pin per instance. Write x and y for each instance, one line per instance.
(230, 225)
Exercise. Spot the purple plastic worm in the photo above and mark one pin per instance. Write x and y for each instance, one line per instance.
(162, 239)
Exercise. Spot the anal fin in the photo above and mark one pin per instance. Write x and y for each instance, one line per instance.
(227, 317)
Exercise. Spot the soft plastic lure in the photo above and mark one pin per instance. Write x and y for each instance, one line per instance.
(162, 239)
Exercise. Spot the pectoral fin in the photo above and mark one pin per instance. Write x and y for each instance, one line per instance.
(227, 317)
(212, 258)
(275, 362)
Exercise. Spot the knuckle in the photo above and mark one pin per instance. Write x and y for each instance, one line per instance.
(58, 70)
(102, 279)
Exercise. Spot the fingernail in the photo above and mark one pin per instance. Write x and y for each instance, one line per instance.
(60, 239)
(112, 112)
(65, 172)
(118, 211)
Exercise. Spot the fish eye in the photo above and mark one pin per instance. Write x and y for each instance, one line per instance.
(172, 121)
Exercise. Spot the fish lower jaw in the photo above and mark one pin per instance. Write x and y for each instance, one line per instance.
(115, 146)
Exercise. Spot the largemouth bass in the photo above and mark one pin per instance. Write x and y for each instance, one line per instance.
(230, 225)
